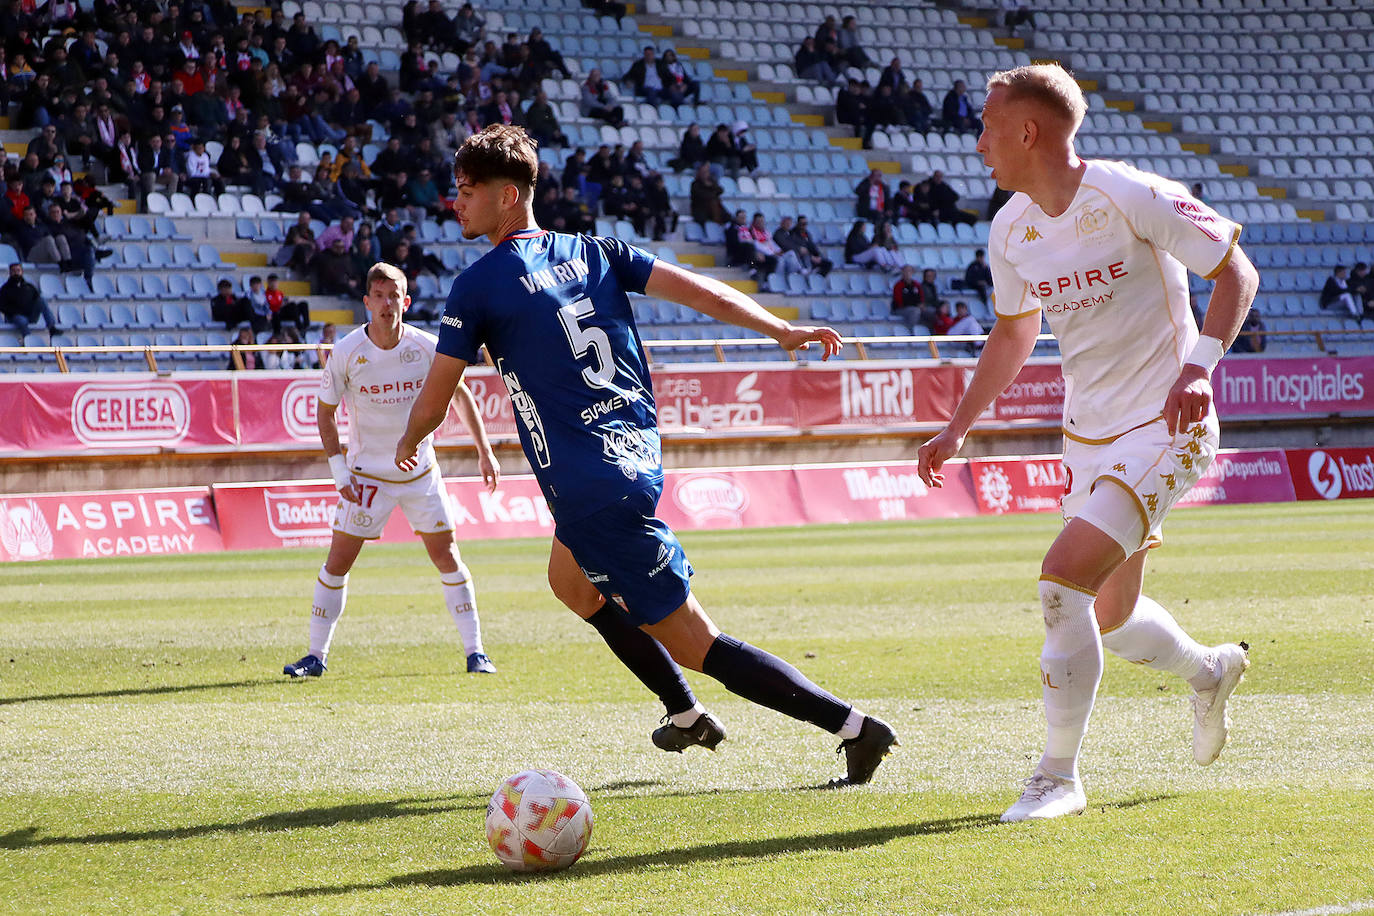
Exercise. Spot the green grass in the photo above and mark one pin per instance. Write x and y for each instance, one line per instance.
(153, 760)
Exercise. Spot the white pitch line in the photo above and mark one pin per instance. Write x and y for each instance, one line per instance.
(1335, 909)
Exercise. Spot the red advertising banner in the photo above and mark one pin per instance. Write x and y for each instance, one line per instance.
(113, 412)
(1037, 393)
(262, 409)
(1037, 484)
(888, 396)
(1332, 473)
(1294, 387)
(1243, 476)
(882, 491)
(133, 523)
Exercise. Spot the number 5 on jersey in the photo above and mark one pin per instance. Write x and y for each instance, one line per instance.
(591, 338)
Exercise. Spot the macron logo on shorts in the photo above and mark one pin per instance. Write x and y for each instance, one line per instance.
(451, 321)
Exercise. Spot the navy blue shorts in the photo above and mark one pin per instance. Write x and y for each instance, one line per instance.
(625, 551)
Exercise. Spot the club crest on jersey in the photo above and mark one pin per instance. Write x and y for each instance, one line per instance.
(410, 355)
(1032, 234)
(1092, 219)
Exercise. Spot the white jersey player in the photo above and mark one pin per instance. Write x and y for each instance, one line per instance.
(1103, 251)
(377, 370)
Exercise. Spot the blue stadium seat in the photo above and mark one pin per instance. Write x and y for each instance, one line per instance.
(147, 316)
(179, 287)
(245, 228)
(133, 257)
(203, 285)
(184, 255)
(154, 288)
(166, 229)
(68, 316)
(270, 231)
(77, 287)
(208, 257)
(50, 287)
(174, 316)
(128, 287)
(102, 287)
(121, 316)
(140, 228)
(159, 255)
(116, 227)
(198, 314)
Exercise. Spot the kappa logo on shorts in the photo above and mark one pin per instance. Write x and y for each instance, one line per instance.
(1119, 468)
(1152, 501)
(1168, 481)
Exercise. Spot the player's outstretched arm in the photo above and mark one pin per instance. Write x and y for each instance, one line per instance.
(472, 419)
(1191, 396)
(1010, 342)
(430, 407)
(329, 438)
(725, 303)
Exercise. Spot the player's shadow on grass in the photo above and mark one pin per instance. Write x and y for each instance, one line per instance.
(333, 815)
(838, 841)
(135, 691)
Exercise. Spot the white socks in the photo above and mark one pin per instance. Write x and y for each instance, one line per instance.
(1151, 636)
(853, 724)
(330, 593)
(1070, 670)
(462, 607)
(688, 718)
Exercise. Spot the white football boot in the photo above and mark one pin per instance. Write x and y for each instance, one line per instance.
(1046, 796)
(1211, 724)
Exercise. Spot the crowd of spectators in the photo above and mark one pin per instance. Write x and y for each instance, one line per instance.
(931, 200)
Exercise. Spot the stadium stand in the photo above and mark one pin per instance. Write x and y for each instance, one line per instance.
(1282, 146)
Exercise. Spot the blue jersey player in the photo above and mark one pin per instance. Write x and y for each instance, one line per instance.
(552, 311)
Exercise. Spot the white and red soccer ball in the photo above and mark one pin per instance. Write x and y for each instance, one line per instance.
(538, 820)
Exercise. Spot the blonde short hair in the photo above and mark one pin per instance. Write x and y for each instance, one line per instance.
(1050, 85)
(382, 272)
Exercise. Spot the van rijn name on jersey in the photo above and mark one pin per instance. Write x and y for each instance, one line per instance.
(556, 275)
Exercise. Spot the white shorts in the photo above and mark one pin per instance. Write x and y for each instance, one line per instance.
(1154, 468)
(422, 499)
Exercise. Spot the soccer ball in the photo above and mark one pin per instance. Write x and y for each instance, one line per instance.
(538, 820)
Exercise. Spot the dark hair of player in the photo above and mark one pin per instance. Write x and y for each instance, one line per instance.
(501, 152)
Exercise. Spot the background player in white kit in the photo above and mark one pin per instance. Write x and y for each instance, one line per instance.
(1103, 250)
(379, 369)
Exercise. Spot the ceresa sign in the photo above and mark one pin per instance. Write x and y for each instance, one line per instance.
(130, 413)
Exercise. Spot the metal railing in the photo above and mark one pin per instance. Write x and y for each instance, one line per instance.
(718, 347)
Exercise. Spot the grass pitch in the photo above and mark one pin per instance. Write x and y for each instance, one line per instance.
(154, 760)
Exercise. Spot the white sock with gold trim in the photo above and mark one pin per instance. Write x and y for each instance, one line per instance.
(330, 594)
(1152, 637)
(461, 601)
(1070, 670)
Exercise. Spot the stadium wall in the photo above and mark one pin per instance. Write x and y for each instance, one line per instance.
(97, 432)
(271, 515)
